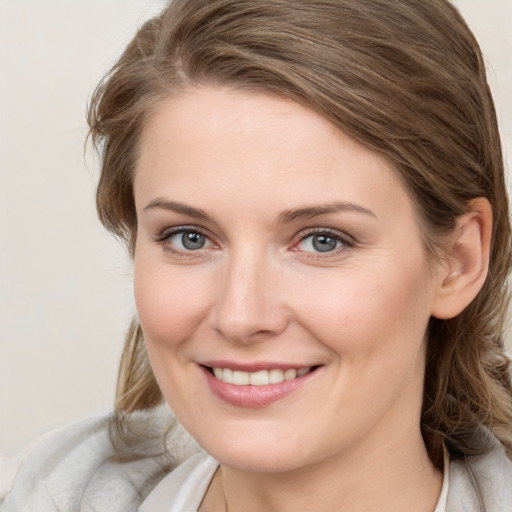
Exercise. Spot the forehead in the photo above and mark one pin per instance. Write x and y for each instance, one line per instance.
(243, 145)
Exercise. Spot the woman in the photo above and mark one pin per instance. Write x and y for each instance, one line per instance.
(314, 199)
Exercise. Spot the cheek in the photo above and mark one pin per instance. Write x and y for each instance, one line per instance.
(169, 303)
(374, 325)
(170, 308)
(376, 310)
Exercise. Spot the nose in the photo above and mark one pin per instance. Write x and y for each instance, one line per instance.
(250, 303)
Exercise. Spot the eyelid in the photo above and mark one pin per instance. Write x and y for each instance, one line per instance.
(346, 240)
(166, 234)
(176, 230)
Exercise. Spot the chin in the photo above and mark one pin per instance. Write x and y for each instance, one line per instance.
(259, 460)
(262, 452)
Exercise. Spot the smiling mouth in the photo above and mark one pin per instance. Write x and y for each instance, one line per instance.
(258, 378)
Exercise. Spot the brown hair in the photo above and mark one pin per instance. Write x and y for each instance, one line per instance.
(405, 78)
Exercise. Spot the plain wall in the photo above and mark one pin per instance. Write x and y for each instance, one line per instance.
(65, 285)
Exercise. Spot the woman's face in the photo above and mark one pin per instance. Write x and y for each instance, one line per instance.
(273, 246)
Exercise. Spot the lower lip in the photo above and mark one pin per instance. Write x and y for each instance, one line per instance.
(253, 397)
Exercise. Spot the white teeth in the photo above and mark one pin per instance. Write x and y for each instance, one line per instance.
(275, 376)
(260, 378)
(227, 375)
(240, 378)
(290, 374)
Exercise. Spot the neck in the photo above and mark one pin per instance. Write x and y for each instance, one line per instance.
(391, 477)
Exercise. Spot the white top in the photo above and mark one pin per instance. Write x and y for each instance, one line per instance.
(443, 497)
(183, 489)
(77, 469)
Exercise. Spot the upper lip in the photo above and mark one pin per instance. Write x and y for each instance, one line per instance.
(255, 366)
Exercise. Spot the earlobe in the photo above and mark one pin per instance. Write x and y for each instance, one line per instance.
(466, 265)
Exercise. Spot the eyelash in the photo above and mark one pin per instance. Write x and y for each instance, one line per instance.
(164, 240)
(345, 241)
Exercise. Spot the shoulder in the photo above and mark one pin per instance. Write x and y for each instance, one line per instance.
(481, 483)
(77, 467)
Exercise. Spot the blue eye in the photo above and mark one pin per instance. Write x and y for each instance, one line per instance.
(185, 240)
(190, 240)
(320, 243)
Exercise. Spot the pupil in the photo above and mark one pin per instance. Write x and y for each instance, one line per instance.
(324, 243)
(193, 241)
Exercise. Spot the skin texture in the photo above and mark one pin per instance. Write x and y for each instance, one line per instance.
(258, 291)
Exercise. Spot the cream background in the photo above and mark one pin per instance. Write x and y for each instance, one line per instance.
(65, 291)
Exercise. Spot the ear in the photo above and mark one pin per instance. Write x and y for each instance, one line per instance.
(463, 272)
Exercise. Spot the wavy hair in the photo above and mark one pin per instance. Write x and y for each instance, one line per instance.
(405, 78)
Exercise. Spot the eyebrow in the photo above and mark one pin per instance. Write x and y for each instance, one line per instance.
(178, 207)
(287, 216)
(309, 212)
